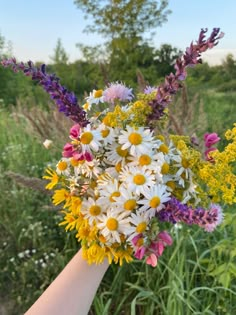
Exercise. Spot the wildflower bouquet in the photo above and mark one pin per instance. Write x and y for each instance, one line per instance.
(119, 178)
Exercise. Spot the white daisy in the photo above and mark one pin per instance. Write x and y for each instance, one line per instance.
(139, 224)
(108, 134)
(113, 224)
(184, 172)
(90, 139)
(170, 152)
(153, 200)
(127, 199)
(63, 167)
(95, 97)
(92, 210)
(109, 192)
(136, 179)
(116, 154)
(190, 193)
(89, 169)
(137, 140)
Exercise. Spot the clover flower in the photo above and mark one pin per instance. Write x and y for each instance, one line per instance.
(117, 91)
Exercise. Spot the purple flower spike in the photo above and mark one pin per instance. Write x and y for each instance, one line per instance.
(190, 58)
(66, 101)
(175, 212)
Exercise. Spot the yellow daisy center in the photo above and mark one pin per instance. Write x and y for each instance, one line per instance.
(165, 168)
(98, 93)
(130, 204)
(62, 165)
(95, 210)
(135, 138)
(171, 184)
(74, 162)
(102, 239)
(164, 148)
(86, 106)
(86, 137)
(154, 202)
(144, 160)
(114, 194)
(185, 163)
(112, 224)
(118, 167)
(141, 227)
(105, 133)
(139, 179)
(121, 152)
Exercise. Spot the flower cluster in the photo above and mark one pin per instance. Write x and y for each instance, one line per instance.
(118, 178)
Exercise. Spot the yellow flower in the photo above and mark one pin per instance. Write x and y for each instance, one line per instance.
(116, 118)
(220, 176)
(121, 254)
(139, 112)
(71, 221)
(60, 195)
(53, 177)
(94, 253)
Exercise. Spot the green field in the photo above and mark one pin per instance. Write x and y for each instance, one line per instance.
(197, 275)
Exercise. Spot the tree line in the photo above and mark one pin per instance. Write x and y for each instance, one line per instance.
(128, 54)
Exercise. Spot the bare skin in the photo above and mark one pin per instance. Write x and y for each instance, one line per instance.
(72, 292)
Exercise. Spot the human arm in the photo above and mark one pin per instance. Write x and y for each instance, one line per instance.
(73, 290)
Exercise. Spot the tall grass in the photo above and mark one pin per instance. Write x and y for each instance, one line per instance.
(189, 278)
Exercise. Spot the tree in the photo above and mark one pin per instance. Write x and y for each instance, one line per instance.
(165, 58)
(60, 56)
(2, 44)
(115, 19)
(124, 25)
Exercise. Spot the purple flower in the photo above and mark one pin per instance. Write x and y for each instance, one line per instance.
(190, 58)
(117, 91)
(175, 212)
(66, 101)
(149, 89)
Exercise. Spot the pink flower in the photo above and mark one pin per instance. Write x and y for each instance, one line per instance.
(151, 260)
(135, 239)
(208, 157)
(68, 150)
(165, 237)
(117, 91)
(88, 156)
(140, 252)
(75, 131)
(79, 156)
(157, 247)
(216, 213)
(210, 139)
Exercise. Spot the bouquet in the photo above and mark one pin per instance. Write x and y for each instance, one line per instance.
(121, 177)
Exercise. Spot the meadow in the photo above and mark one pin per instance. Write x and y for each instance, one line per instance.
(196, 275)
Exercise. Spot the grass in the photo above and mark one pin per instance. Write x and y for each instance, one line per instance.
(189, 278)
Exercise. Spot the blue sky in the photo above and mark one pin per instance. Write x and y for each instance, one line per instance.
(33, 26)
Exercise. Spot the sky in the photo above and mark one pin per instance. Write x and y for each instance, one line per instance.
(34, 26)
